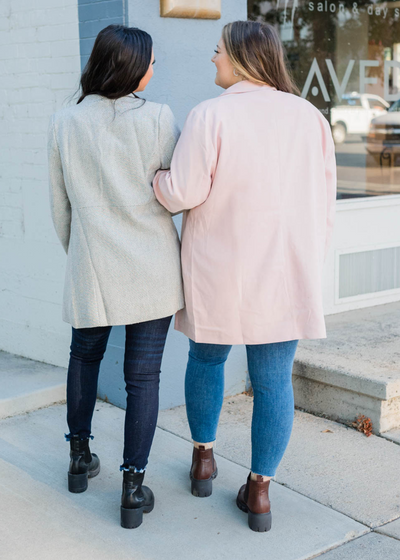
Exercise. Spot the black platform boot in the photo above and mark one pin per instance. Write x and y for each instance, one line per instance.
(136, 499)
(83, 465)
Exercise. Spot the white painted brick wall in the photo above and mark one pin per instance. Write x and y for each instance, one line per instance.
(39, 71)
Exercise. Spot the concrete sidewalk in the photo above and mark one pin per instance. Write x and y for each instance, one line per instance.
(40, 519)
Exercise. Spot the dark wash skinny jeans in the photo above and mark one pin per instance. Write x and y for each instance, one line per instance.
(144, 347)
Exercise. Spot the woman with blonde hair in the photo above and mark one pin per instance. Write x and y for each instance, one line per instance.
(255, 171)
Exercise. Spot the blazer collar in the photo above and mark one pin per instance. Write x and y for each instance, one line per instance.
(245, 86)
(94, 97)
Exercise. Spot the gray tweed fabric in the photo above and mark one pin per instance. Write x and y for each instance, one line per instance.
(123, 263)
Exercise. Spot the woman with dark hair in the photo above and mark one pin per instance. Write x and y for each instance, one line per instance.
(255, 171)
(123, 264)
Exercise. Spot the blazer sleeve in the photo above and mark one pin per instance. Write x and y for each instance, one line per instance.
(168, 135)
(331, 184)
(189, 181)
(59, 202)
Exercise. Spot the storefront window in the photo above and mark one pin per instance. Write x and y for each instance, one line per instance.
(345, 58)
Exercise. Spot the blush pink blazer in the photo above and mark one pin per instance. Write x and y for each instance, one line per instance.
(255, 171)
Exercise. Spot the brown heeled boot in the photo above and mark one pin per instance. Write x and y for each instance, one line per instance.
(253, 499)
(203, 471)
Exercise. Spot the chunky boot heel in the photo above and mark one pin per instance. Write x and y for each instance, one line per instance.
(131, 518)
(202, 488)
(202, 472)
(83, 464)
(136, 499)
(260, 522)
(77, 482)
(253, 499)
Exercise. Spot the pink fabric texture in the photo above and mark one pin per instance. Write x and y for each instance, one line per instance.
(254, 169)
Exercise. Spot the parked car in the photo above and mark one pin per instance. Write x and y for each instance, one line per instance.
(383, 140)
(354, 114)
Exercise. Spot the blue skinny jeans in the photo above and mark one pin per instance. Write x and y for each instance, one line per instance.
(270, 370)
(144, 347)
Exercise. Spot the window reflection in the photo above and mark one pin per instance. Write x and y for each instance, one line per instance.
(345, 58)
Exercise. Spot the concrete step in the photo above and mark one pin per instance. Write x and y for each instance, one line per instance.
(27, 385)
(356, 370)
(392, 435)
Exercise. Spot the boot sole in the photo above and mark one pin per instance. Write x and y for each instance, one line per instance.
(202, 488)
(259, 522)
(133, 518)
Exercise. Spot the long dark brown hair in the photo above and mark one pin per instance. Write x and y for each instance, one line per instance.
(255, 50)
(119, 59)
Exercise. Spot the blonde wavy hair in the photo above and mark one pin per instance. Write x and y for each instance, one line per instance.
(256, 53)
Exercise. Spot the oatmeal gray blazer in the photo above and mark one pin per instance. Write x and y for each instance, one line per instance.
(123, 263)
